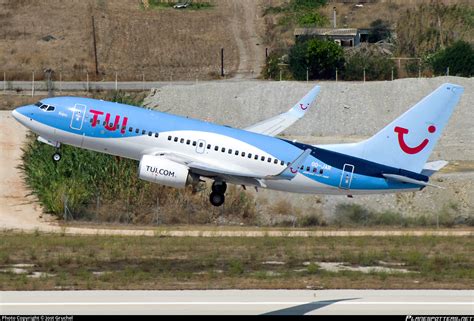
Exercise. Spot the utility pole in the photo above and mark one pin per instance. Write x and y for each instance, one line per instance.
(95, 47)
(222, 62)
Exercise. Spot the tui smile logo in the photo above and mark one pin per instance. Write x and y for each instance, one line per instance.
(303, 107)
(412, 150)
(294, 171)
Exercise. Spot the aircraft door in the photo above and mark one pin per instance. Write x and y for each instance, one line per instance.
(78, 114)
(200, 146)
(346, 176)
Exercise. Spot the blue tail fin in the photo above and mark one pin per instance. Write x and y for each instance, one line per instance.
(408, 141)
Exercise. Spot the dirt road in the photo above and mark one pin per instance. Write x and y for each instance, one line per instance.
(245, 26)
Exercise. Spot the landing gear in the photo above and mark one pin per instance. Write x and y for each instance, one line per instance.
(56, 157)
(219, 187)
(217, 197)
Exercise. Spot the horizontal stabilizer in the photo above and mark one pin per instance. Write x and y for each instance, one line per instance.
(404, 179)
(432, 167)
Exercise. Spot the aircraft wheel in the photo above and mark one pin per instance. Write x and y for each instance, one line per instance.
(219, 187)
(216, 199)
(56, 157)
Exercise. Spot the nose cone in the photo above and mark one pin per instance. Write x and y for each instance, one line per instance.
(21, 113)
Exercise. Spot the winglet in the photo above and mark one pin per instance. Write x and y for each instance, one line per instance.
(302, 106)
(275, 125)
(291, 170)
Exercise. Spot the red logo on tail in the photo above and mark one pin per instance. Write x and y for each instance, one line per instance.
(411, 150)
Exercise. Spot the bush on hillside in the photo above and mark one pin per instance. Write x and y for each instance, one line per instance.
(320, 58)
(459, 57)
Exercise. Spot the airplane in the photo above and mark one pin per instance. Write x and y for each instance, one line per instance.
(178, 151)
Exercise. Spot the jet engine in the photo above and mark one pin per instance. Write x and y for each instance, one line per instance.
(162, 171)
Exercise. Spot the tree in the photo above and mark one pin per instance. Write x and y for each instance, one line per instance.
(459, 57)
(319, 57)
(377, 65)
(379, 30)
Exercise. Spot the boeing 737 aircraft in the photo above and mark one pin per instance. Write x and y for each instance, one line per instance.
(177, 151)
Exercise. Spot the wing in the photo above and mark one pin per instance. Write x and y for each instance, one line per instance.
(235, 176)
(275, 125)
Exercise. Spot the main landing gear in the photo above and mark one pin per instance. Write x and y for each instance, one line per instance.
(217, 197)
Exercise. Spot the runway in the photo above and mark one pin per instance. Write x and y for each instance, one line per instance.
(273, 302)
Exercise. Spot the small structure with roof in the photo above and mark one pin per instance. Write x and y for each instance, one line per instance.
(346, 37)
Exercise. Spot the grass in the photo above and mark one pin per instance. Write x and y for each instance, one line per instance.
(218, 263)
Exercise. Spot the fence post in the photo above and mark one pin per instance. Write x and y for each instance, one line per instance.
(364, 74)
(392, 73)
(4, 82)
(307, 74)
(33, 84)
(87, 81)
(60, 82)
(447, 71)
(336, 74)
(143, 81)
(116, 85)
(280, 74)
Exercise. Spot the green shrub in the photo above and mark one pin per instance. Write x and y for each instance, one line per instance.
(320, 58)
(459, 57)
(377, 66)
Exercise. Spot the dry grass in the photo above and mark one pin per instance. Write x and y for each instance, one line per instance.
(162, 44)
(216, 263)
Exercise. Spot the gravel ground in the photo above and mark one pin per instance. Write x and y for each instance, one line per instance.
(344, 112)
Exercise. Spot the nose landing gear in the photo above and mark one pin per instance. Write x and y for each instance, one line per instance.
(217, 197)
(57, 156)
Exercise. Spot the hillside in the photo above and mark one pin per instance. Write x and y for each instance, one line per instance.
(159, 43)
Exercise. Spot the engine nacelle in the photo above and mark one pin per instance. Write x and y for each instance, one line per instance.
(162, 171)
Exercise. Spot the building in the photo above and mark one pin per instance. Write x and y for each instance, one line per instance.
(346, 37)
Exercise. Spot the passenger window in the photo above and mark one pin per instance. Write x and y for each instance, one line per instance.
(269, 159)
(314, 170)
(288, 164)
(250, 155)
(194, 143)
(130, 129)
(208, 146)
(307, 168)
(230, 151)
(181, 140)
(282, 163)
(243, 154)
(275, 161)
(216, 148)
(189, 142)
(256, 157)
(156, 135)
(103, 124)
(169, 137)
(263, 158)
(149, 134)
(201, 144)
(223, 149)
(321, 171)
(175, 139)
(136, 130)
(302, 167)
(236, 152)
(143, 131)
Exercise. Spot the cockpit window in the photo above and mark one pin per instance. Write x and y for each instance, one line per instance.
(50, 108)
(39, 103)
